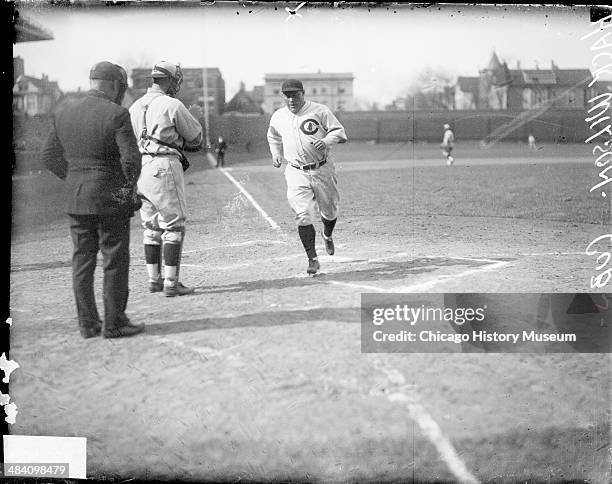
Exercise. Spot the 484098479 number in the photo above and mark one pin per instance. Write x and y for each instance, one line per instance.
(36, 470)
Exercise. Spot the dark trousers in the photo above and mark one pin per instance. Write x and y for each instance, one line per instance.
(111, 234)
(220, 159)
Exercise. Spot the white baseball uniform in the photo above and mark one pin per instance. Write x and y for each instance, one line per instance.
(448, 141)
(161, 181)
(311, 177)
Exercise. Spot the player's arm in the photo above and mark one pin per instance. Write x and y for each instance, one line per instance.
(189, 128)
(275, 141)
(333, 128)
(335, 133)
(52, 154)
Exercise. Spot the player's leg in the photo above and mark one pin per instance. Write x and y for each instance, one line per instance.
(149, 188)
(302, 201)
(325, 188)
(172, 217)
(449, 157)
(84, 234)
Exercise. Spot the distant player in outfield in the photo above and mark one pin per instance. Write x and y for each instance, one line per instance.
(301, 135)
(532, 142)
(221, 147)
(448, 143)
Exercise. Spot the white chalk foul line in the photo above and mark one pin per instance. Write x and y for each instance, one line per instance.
(423, 286)
(432, 431)
(248, 196)
(429, 427)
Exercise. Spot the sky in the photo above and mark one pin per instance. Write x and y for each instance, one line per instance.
(385, 47)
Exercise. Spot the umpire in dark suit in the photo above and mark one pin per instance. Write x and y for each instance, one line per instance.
(92, 147)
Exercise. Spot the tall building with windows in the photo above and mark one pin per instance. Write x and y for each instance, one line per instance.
(334, 89)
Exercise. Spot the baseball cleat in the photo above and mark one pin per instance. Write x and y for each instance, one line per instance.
(156, 286)
(313, 266)
(178, 290)
(329, 243)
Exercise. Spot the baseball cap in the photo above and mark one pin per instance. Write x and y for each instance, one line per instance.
(106, 71)
(292, 85)
(163, 69)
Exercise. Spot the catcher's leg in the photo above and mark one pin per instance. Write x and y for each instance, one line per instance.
(173, 248)
(152, 240)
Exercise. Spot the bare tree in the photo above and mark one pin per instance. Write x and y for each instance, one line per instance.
(431, 89)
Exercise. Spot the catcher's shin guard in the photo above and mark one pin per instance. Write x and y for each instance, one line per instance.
(172, 259)
(153, 260)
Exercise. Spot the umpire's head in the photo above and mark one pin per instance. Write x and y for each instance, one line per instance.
(109, 78)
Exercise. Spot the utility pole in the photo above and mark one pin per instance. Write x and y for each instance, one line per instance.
(206, 111)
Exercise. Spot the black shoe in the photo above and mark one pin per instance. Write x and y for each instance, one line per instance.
(156, 286)
(329, 243)
(90, 331)
(313, 266)
(127, 329)
(177, 290)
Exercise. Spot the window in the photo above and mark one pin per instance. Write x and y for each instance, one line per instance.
(276, 91)
(314, 90)
(341, 90)
(323, 90)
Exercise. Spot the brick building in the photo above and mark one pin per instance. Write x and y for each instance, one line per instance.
(499, 88)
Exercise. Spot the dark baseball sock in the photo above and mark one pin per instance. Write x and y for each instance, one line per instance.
(172, 254)
(152, 253)
(307, 236)
(328, 226)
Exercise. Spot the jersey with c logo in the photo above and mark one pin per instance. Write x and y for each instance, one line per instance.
(292, 135)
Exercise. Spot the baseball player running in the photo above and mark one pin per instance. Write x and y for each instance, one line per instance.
(448, 143)
(164, 128)
(301, 134)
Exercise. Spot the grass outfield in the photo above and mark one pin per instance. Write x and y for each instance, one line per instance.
(464, 151)
(27, 161)
(543, 191)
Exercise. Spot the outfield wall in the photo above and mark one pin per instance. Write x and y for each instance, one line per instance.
(249, 132)
(558, 126)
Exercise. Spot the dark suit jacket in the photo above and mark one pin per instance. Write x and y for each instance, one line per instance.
(92, 146)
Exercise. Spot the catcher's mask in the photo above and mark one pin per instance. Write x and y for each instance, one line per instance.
(173, 72)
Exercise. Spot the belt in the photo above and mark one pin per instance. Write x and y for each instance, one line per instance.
(309, 167)
(153, 155)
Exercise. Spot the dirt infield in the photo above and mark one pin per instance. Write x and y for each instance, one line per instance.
(260, 376)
